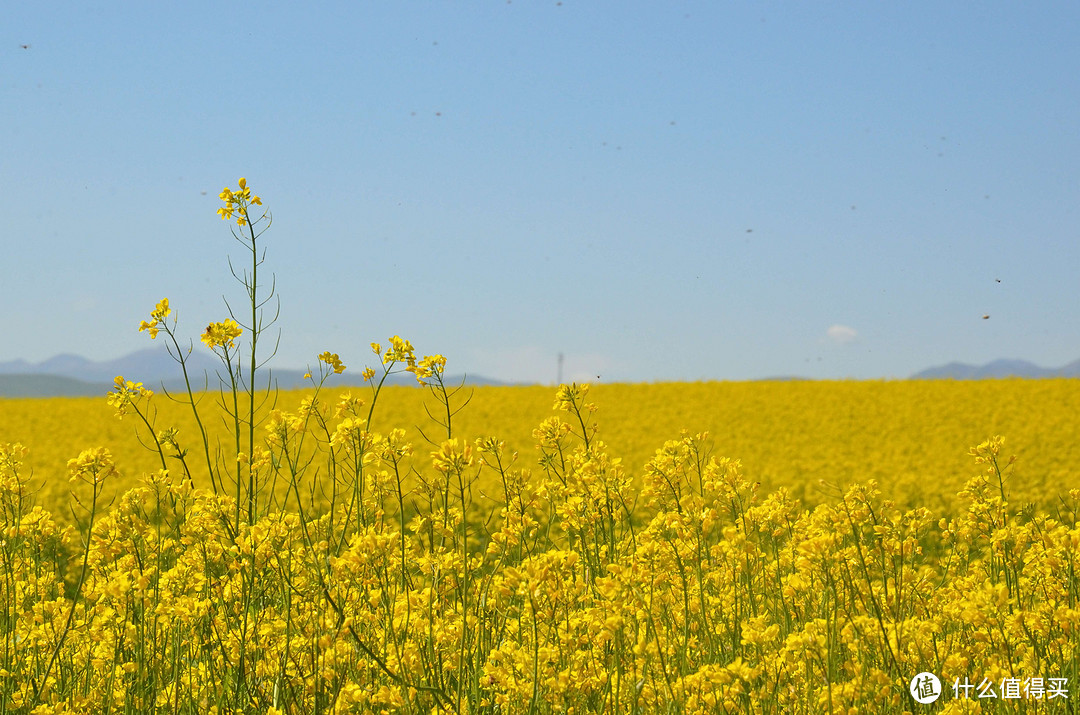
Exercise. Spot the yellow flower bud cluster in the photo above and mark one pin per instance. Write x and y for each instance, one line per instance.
(237, 202)
(125, 393)
(92, 466)
(428, 366)
(157, 318)
(333, 360)
(222, 334)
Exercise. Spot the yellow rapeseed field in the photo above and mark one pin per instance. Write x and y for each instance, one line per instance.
(910, 436)
(538, 550)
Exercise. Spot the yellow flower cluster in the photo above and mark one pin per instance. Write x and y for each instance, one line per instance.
(222, 335)
(237, 202)
(125, 394)
(92, 465)
(429, 366)
(157, 318)
(333, 361)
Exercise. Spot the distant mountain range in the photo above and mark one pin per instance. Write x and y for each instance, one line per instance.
(997, 368)
(70, 375)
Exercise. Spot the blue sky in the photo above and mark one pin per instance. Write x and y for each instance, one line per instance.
(673, 190)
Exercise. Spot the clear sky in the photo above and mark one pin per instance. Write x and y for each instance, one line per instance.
(658, 190)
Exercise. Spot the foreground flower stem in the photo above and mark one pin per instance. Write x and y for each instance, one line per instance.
(40, 690)
(255, 329)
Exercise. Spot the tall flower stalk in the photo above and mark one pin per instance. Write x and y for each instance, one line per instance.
(238, 206)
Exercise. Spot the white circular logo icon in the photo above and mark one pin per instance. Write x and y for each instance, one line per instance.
(925, 688)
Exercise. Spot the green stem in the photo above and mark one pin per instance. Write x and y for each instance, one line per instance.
(39, 691)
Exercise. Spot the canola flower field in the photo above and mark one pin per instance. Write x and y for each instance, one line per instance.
(911, 436)
(435, 550)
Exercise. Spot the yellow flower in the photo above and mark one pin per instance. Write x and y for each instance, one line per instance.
(10, 456)
(333, 361)
(161, 310)
(223, 334)
(428, 366)
(157, 315)
(570, 395)
(348, 405)
(452, 456)
(237, 202)
(400, 350)
(349, 433)
(125, 393)
(92, 465)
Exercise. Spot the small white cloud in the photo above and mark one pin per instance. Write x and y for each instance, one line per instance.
(841, 334)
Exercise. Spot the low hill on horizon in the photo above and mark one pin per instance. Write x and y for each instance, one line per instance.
(69, 375)
(997, 369)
